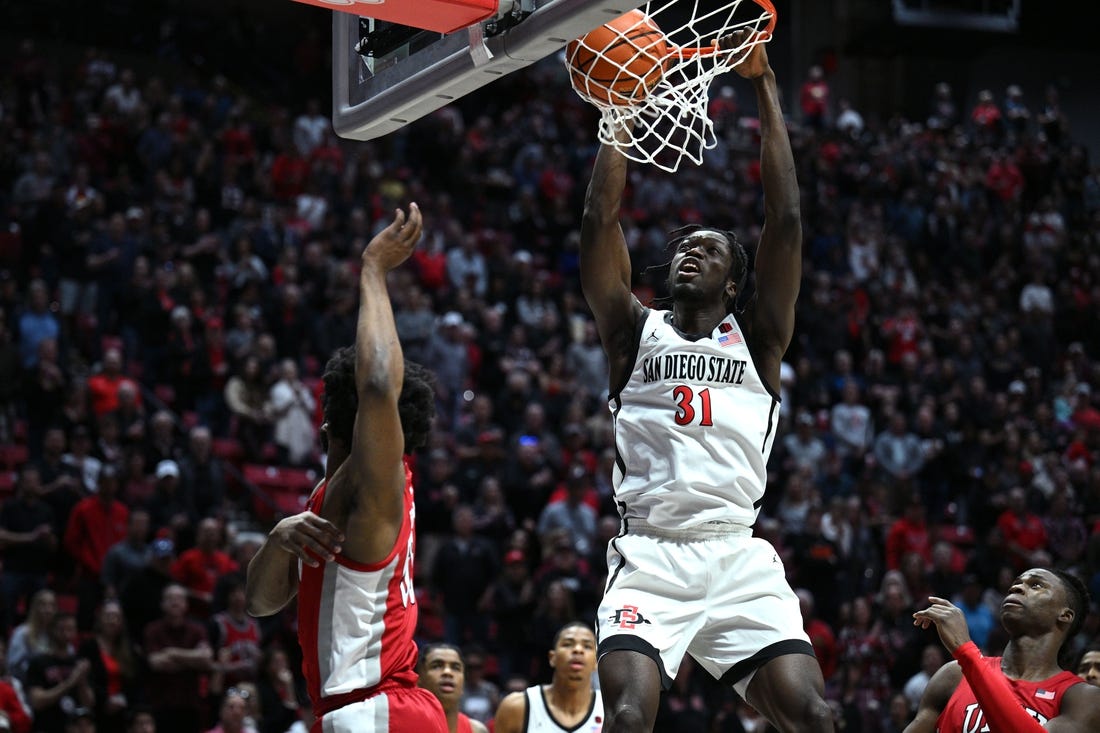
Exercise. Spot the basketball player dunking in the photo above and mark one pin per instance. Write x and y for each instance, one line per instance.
(349, 557)
(568, 704)
(1024, 691)
(695, 406)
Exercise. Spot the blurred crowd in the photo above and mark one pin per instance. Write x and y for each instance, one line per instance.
(180, 256)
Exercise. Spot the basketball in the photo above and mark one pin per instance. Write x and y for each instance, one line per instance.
(619, 62)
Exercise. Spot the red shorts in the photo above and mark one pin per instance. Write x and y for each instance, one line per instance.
(397, 710)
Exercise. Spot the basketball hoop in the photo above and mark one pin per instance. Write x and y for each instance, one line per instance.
(655, 110)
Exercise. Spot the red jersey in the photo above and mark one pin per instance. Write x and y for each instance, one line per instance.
(242, 639)
(355, 626)
(1042, 700)
(463, 725)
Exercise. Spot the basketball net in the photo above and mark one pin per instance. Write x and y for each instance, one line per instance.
(670, 124)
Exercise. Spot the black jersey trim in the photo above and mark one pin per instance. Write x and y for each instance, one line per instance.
(629, 643)
(639, 327)
(745, 667)
(771, 424)
(550, 713)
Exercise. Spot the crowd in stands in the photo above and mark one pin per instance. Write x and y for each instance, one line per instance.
(179, 258)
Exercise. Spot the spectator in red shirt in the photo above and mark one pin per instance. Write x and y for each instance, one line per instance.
(908, 534)
(199, 568)
(986, 115)
(821, 636)
(1004, 178)
(103, 387)
(96, 523)
(1023, 530)
(179, 654)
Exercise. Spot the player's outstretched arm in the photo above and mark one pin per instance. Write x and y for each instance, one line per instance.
(368, 487)
(510, 714)
(605, 263)
(935, 697)
(779, 255)
(1080, 711)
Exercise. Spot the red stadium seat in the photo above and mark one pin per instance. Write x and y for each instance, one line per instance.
(7, 485)
(228, 449)
(12, 456)
(288, 487)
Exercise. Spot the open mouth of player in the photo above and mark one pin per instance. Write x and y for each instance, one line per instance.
(447, 687)
(576, 666)
(1011, 602)
(689, 266)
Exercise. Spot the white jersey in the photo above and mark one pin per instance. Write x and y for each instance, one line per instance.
(538, 718)
(694, 426)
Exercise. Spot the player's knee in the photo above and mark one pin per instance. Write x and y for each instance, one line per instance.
(816, 716)
(626, 718)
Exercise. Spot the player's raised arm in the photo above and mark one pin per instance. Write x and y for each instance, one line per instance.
(370, 483)
(605, 262)
(779, 256)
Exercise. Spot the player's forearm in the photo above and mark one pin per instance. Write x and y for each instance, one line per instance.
(378, 360)
(1001, 708)
(605, 262)
(776, 159)
(271, 581)
(605, 191)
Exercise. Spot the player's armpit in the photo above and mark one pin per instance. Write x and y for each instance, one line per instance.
(509, 718)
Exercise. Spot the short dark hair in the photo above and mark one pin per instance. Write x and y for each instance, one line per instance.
(1093, 647)
(1077, 598)
(416, 404)
(436, 646)
(578, 624)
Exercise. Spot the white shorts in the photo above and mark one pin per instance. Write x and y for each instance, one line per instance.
(718, 594)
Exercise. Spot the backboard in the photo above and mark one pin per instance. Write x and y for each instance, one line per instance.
(386, 75)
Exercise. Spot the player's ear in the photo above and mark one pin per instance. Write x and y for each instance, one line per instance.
(731, 290)
(1067, 615)
(550, 657)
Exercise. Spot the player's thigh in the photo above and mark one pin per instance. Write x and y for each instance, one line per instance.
(789, 691)
(630, 681)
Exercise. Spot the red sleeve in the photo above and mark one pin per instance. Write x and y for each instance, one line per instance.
(990, 687)
(181, 570)
(77, 541)
(893, 551)
(17, 716)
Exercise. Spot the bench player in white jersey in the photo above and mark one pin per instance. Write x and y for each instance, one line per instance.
(695, 406)
(568, 704)
(349, 557)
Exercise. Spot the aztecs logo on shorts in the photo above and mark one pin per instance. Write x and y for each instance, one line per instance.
(628, 617)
